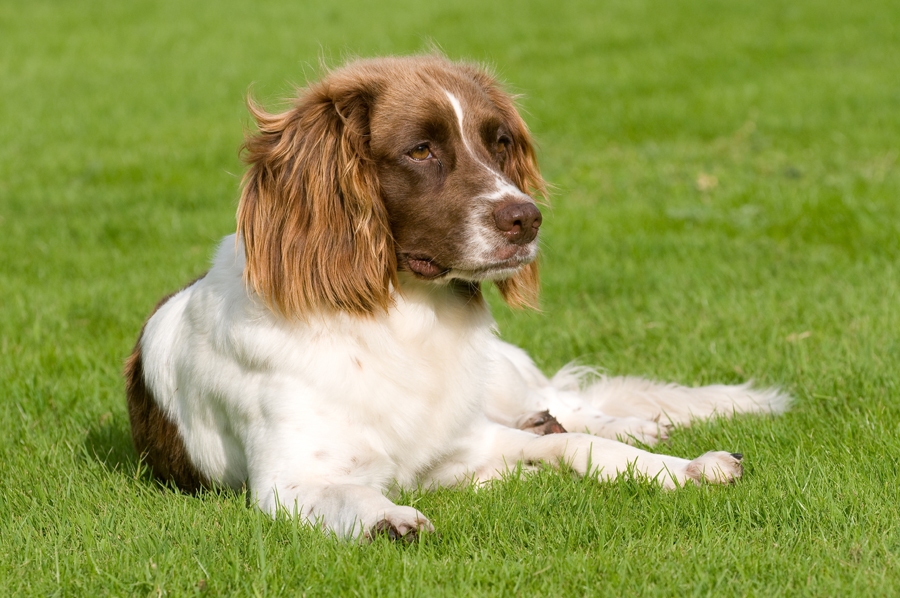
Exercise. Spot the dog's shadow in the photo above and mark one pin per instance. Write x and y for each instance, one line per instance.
(108, 443)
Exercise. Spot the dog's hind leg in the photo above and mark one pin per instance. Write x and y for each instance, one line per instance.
(604, 459)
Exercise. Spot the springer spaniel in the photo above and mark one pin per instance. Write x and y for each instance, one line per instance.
(340, 346)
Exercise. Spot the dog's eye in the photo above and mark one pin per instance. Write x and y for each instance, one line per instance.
(419, 153)
(503, 144)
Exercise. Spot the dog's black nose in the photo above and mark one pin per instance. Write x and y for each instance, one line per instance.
(518, 221)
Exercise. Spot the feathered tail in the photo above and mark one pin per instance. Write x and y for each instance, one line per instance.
(668, 403)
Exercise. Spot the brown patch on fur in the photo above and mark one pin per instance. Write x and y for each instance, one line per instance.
(156, 438)
(542, 423)
(315, 230)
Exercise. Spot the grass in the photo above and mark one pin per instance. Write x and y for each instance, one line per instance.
(725, 208)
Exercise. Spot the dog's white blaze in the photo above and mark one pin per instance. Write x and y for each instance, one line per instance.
(503, 187)
(457, 108)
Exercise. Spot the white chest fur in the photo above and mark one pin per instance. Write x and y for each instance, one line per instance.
(374, 399)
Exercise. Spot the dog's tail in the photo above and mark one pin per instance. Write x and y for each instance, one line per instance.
(669, 404)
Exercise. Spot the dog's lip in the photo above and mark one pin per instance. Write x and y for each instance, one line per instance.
(505, 263)
(507, 259)
(425, 267)
(508, 253)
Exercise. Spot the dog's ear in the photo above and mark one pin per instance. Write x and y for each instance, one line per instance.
(522, 289)
(311, 216)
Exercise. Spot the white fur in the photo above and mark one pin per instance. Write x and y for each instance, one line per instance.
(457, 109)
(322, 417)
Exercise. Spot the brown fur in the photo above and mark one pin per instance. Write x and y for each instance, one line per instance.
(522, 289)
(156, 439)
(521, 166)
(315, 229)
(314, 215)
(542, 423)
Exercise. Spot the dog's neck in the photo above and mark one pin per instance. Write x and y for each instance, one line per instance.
(449, 294)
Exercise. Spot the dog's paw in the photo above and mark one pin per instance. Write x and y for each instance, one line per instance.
(716, 467)
(400, 523)
(540, 423)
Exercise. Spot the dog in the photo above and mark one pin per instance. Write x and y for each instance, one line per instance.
(340, 347)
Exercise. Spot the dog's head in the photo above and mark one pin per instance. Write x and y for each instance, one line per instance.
(414, 165)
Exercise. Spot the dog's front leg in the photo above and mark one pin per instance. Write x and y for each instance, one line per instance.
(605, 459)
(350, 511)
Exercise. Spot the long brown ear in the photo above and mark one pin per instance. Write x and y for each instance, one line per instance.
(522, 289)
(314, 227)
(521, 167)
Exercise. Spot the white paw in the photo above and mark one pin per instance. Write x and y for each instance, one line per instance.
(717, 467)
(630, 430)
(399, 523)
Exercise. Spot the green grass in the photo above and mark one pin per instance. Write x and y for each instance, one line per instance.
(726, 206)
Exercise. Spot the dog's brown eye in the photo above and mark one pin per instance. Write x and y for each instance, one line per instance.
(422, 152)
(503, 144)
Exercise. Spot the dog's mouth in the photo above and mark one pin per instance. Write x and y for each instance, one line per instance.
(502, 264)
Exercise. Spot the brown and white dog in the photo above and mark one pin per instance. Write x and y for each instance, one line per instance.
(340, 346)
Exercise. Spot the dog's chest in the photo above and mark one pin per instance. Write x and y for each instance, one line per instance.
(413, 380)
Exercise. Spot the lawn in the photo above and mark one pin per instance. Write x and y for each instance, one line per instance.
(726, 206)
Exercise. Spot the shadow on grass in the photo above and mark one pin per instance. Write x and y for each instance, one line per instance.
(108, 442)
